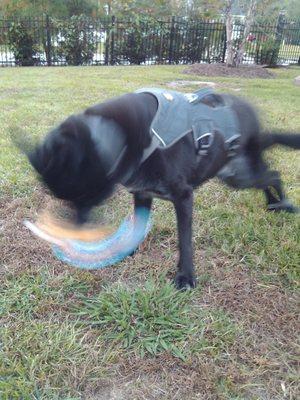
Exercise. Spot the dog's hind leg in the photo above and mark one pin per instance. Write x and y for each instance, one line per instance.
(183, 202)
(276, 199)
(271, 184)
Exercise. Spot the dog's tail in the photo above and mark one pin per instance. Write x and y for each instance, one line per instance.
(291, 140)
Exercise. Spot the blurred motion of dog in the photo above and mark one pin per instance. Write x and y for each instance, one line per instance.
(160, 143)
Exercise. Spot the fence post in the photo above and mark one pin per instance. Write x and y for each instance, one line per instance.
(48, 41)
(279, 27)
(112, 47)
(107, 40)
(224, 38)
(278, 37)
(172, 32)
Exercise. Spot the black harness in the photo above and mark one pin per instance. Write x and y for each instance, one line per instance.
(201, 114)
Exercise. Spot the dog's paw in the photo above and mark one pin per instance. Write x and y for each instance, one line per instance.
(284, 205)
(291, 209)
(184, 282)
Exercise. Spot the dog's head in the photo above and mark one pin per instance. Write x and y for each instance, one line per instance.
(83, 158)
(71, 167)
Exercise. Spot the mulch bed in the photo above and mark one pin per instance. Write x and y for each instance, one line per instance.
(244, 71)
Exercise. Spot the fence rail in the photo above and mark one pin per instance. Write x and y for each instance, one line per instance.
(110, 41)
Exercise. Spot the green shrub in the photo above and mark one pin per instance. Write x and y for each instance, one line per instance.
(139, 40)
(77, 42)
(22, 43)
(267, 52)
(175, 42)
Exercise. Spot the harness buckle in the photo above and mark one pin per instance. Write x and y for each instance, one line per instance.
(204, 142)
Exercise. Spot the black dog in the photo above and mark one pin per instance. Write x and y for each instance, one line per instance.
(84, 158)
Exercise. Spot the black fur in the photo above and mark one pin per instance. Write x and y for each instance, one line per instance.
(71, 167)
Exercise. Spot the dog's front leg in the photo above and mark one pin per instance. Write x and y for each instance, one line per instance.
(183, 202)
(142, 200)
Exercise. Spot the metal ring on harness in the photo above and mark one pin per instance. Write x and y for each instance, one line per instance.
(232, 145)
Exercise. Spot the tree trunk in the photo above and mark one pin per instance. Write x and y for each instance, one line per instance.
(248, 23)
(229, 38)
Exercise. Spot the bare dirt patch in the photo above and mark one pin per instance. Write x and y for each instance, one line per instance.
(163, 377)
(195, 85)
(19, 249)
(183, 83)
(269, 308)
(244, 71)
(264, 354)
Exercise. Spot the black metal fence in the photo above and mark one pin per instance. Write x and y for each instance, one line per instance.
(110, 41)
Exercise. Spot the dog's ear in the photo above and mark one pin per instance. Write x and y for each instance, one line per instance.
(68, 129)
(21, 140)
(37, 160)
(28, 146)
(57, 149)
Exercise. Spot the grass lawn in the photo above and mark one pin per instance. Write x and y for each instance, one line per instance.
(124, 332)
